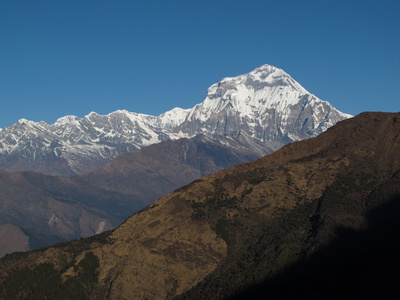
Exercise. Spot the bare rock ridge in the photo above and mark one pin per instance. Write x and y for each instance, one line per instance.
(266, 105)
(277, 222)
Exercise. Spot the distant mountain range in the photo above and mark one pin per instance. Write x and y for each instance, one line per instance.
(266, 106)
(38, 210)
(241, 119)
(317, 219)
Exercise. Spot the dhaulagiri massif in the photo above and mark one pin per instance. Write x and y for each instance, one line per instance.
(242, 118)
(266, 106)
(317, 219)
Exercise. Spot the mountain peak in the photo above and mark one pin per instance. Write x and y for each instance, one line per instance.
(173, 117)
(23, 121)
(263, 83)
(266, 71)
(66, 120)
(303, 217)
(266, 104)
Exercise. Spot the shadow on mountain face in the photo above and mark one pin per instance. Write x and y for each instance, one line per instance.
(357, 265)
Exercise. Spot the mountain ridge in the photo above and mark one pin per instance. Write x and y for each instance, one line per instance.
(266, 104)
(42, 209)
(221, 234)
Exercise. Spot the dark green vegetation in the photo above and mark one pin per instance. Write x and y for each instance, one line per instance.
(45, 282)
(48, 280)
(322, 249)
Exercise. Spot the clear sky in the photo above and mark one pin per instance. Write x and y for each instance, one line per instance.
(72, 57)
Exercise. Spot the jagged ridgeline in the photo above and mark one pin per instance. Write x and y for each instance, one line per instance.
(241, 119)
(265, 105)
(317, 219)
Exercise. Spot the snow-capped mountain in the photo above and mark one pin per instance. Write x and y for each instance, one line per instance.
(74, 145)
(266, 105)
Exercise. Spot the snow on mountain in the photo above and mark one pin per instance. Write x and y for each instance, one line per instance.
(79, 144)
(251, 94)
(265, 104)
(172, 118)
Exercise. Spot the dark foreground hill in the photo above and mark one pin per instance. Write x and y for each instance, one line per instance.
(317, 219)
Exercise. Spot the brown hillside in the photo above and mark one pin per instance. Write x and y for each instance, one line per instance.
(220, 234)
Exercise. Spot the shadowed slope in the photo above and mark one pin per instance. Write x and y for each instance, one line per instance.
(221, 234)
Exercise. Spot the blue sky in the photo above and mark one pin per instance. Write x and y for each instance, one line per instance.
(72, 57)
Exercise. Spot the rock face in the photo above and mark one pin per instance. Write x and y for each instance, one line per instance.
(278, 221)
(266, 105)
